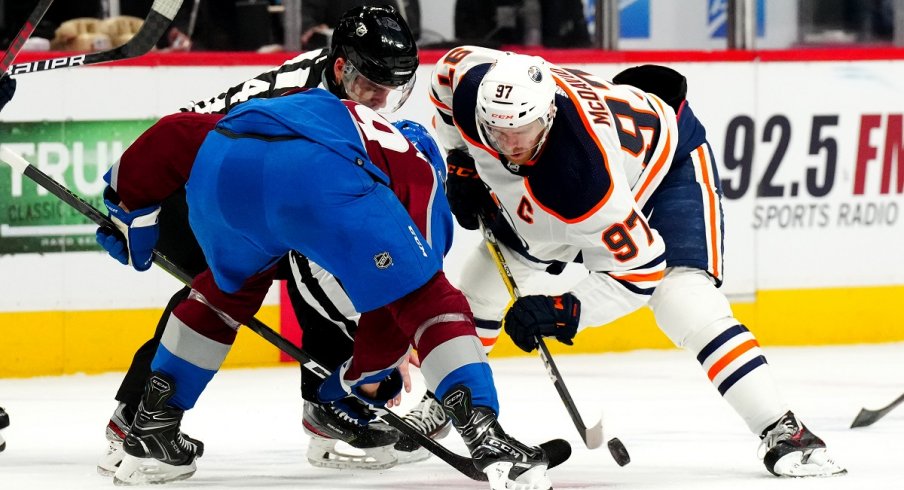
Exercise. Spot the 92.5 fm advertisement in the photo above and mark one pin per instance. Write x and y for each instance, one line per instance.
(812, 169)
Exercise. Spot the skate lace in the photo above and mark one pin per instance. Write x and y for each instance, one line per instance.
(427, 416)
(349, 418)
(186, 445)
(782, 431)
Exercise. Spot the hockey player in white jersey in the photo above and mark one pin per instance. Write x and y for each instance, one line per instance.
(617, 176)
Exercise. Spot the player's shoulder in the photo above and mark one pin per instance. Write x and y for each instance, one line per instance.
(572, 177)
(184, 124)
(469, 54)
(314, 56)
(458, 61)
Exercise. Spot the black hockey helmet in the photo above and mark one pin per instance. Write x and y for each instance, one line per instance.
(378, 42)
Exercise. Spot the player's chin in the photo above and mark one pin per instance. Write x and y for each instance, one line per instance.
(518, 157)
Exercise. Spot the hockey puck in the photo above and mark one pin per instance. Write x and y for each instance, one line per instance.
(558, 451)
(618, 451)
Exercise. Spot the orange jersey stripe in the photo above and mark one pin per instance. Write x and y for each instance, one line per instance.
(731, 356)
(650, 276)
(437, 102)
(701, 155)
(659, 163)
(488, 342)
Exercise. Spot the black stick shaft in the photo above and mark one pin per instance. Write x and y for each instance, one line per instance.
(155, 24)
(592, 438)
(460, 463)
(24, 33)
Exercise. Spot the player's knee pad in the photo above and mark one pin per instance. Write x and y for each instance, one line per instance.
(482, 285)
(686, 303)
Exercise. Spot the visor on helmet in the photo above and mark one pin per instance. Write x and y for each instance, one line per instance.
(521, 143)
(379, 97)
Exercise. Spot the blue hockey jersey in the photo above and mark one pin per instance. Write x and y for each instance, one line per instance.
(328, 178)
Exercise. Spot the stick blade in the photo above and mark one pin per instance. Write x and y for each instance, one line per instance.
(13, 159)
(593, 436)
(865, 418)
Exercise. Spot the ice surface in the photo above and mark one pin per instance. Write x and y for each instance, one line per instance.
(679, 432)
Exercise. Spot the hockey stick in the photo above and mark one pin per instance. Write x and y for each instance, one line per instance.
(870, 417)
(557, 453)
(592, 437)
(158, 20)
(24, 33)
(20, 165)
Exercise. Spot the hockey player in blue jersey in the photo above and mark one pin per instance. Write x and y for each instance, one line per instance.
(334, 181)
(617, 176)
(375, 68)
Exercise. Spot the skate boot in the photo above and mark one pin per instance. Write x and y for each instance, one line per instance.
(508, 463)
(116, 431)
(329, 427)
(788, 448)
(156, 451)
(4, 423)
(429, 418)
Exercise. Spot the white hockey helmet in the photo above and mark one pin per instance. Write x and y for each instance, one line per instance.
(516, 97)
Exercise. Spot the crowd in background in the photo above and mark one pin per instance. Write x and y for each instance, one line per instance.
(257, 25)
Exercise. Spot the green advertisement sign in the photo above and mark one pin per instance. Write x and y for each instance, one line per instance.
(75, 153)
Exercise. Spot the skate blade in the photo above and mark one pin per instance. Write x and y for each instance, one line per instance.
(408, 457)
(323, 453)
(816, 464)
(145, 471)
(532, 479)
(111, 459)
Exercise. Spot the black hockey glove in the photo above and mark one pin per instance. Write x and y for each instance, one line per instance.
(465, 191)
(547, 316)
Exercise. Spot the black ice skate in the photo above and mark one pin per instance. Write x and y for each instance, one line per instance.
(792, 450)
(430, 419)
(507, 462)
(4, 423)
(117, 428)
(371, 444)
(156, 450)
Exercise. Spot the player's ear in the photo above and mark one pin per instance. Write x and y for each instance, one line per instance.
(338, 66)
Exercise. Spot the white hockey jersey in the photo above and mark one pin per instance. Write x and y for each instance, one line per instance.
(581, 199)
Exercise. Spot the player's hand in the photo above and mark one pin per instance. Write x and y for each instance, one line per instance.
(135, 236)
(466, 193)
(405, 371)
(378, 394)
(531, 317)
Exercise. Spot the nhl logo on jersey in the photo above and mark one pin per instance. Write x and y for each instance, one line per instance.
(383, 260)
(535, 74)
(361, 30)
